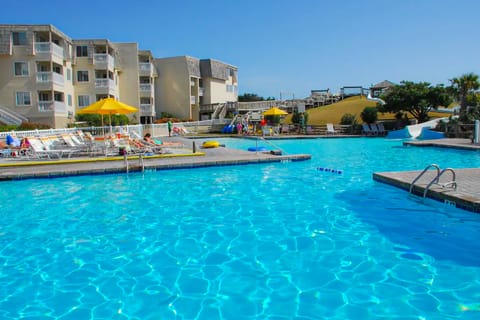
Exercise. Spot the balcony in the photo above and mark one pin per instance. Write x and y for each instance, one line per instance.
(146, 90)
(146, 87)
(105, 86)
(147, 110)
(51, 106)
(103, 60)
(48, 50)
(49, 77)
(146, 69)
(104, 83)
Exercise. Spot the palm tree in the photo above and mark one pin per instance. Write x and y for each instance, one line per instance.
(463, 88)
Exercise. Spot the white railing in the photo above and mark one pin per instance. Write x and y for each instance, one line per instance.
(104, 58)
(49, 76)
(49, 47)
(49, 106)
(145, 67)
(10, 117)
(193, 99)
(104, 83)
(201, 91)
(155, 130)
(147, 110)
(146, 87)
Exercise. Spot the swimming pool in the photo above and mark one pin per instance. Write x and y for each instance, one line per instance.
(270, 241)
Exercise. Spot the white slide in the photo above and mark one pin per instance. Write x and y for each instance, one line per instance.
(378, 100)
(413, 131)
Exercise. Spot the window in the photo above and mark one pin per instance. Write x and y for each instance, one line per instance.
(69, 100)
(19, 38)
(23, 98)
(82, 51)
(21, 69)
(83, 101)
(69, 74)
(82, 76)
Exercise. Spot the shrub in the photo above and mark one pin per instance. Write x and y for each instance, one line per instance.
(32, 126)
(369, 114)
(348, 119)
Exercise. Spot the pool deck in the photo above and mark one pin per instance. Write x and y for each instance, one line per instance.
(467, 194)
(13, 169)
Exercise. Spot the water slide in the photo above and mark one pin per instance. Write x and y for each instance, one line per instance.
(418, 131)
(378, 100)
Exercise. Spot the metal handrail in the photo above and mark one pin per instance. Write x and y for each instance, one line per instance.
(272, 144)
(423, 172)
(437, 179)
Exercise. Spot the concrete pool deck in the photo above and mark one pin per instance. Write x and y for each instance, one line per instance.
(467, 194)
(14, 169)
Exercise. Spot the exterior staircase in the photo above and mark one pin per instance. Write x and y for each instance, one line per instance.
(9, 117)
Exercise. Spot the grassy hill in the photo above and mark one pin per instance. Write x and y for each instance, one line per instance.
(353, 105)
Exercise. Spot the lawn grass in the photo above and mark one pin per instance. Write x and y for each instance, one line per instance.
(354, 105)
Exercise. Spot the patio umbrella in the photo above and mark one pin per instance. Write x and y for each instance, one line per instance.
(274, 111)
(108, 106)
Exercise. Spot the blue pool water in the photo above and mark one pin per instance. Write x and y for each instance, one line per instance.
(270, 241)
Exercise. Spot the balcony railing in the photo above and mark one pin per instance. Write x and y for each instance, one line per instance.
(201, 92)
(104, 83)
(193, 100)
(49, 106)
(145, 68)
(103, 59)
(50, 77)
(146, 87)
(147, 110)
(49, 48)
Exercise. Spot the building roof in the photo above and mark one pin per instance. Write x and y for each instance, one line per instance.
(383, 84)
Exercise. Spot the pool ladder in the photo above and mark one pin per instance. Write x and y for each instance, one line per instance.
(436, 179)
(141, 164)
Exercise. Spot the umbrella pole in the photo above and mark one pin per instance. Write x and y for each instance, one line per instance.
(103, 127)
(110, 121)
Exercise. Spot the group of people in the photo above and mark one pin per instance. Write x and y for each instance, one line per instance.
(15, 146)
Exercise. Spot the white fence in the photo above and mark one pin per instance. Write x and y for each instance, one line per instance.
(156, 130)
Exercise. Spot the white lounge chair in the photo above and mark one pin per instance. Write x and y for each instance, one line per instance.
(374, 129)
(330, 129)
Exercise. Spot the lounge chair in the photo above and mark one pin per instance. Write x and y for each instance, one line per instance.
(366, 129)
(374, 129)
(330, 129)
(381, 129)
(285, 128)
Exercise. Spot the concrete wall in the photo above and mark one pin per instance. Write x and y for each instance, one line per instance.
(128, 76)
(172, 89)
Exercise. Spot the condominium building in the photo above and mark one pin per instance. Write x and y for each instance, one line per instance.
(36, 80)
(188, 87)
(47, 76)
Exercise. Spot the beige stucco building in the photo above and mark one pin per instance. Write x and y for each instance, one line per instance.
(47, 77)
(36, 74)
(188, 87)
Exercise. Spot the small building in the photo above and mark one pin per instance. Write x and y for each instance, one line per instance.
(380, 88)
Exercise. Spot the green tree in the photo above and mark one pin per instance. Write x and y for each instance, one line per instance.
(369, 114)
(249, 97)
(418, 99)
(463, 88)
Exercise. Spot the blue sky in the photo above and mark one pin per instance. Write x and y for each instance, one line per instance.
(283, 45)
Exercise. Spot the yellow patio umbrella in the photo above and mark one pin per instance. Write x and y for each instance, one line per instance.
(108, 106)
(274, 111)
